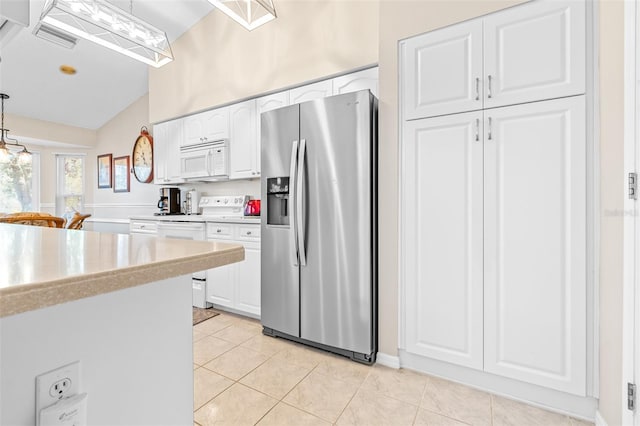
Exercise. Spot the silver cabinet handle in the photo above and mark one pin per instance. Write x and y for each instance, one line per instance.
(299, 213)
(477, 129)
(489, 136)
(293, 238)
(489, 87)
(477, 88)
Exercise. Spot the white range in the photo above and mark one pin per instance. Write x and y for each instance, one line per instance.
(234, 287)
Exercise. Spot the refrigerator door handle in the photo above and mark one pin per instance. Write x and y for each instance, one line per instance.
(299, 212)
(293, 240)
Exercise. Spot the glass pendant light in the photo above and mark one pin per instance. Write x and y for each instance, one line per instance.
(107, 25)
(248, 13)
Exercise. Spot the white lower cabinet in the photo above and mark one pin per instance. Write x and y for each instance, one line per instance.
(535, 243)
(494, 241)
(236, 286)
(442, 238)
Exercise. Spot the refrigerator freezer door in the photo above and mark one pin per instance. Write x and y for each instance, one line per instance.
(280, 294)
(336, 285)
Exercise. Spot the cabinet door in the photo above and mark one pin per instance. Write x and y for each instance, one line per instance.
(166, 152)
(442, 71)
(535, 51)
(242, 145)
(175, 135)
(264, 104)
(248, 282)
(193, 130)
(442, 237)
(160, 141)
(535, 221)
(215, 124)
(361, 80)
(221, 285)
(321, 89)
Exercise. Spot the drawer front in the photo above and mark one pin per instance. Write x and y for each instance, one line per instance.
(143, 227)
(249, 232)
(220, 230)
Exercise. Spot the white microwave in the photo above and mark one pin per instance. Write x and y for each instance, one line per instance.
(205, 161)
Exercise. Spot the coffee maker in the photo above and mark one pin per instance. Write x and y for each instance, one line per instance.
(169, 202)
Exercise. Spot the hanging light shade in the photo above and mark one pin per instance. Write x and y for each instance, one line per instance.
(109, 26)
(248, 13)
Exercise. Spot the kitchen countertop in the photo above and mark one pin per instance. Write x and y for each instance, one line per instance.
(46, 266)
(200, 218)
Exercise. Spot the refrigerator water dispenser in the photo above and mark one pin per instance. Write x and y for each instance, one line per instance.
(278, 200)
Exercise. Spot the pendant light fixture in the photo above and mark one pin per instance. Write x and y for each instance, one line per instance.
(24, 156)
(248, 13)
(107, 25)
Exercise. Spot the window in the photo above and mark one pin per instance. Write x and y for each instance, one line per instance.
(70, 194)
(20, 185)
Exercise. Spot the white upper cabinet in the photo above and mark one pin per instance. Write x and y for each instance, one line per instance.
(321, 89)
(206, 126)
(442, 71)
(166, 152)
(442, 238)
(361, 80)
(242, 145)
(532, 52)
(534, 259)
(264, 104)
(535, 51)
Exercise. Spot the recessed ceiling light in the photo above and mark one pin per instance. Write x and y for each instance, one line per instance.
(67, 69)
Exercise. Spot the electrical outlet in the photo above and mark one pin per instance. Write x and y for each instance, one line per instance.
(57, 384)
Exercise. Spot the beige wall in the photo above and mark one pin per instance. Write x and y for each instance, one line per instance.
(117, 137)
(49, 131)
(611, 200)
(398, 20)
(218, 61)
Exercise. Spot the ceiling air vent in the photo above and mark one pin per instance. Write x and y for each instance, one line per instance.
(55, 35)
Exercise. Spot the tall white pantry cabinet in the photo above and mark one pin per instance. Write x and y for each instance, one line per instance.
(493, 195)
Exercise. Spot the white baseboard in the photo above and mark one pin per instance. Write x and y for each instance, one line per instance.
(388, 360)
(538, 396)
(600, 421)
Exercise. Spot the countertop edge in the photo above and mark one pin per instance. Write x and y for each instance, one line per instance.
(19, 299)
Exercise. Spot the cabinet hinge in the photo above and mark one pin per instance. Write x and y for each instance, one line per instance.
(633, 186)
(631, 396)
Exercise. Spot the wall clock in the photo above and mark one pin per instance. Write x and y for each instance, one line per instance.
(143, 157)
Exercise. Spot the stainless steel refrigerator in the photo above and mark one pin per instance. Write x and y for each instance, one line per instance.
(319, 224)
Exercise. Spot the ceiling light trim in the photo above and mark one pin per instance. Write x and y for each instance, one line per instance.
(111, 27)
(247, 22)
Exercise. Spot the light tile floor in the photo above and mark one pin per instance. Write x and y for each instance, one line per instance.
(244, 378)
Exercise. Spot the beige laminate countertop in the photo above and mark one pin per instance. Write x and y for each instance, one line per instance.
(41, 267)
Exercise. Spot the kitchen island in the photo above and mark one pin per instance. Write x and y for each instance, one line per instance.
(119, 304)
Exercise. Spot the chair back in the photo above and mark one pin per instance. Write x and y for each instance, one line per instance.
(76, 221)
(34, 219)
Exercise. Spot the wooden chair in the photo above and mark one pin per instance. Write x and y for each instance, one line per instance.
(34, 219)
(76, 221)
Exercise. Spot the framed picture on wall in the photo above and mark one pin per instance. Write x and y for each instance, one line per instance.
(121, 174)
(104, 171)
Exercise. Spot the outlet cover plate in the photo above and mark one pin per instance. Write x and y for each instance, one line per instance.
(45, 381)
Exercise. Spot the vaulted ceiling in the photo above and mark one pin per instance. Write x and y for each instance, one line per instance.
(106, 82)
